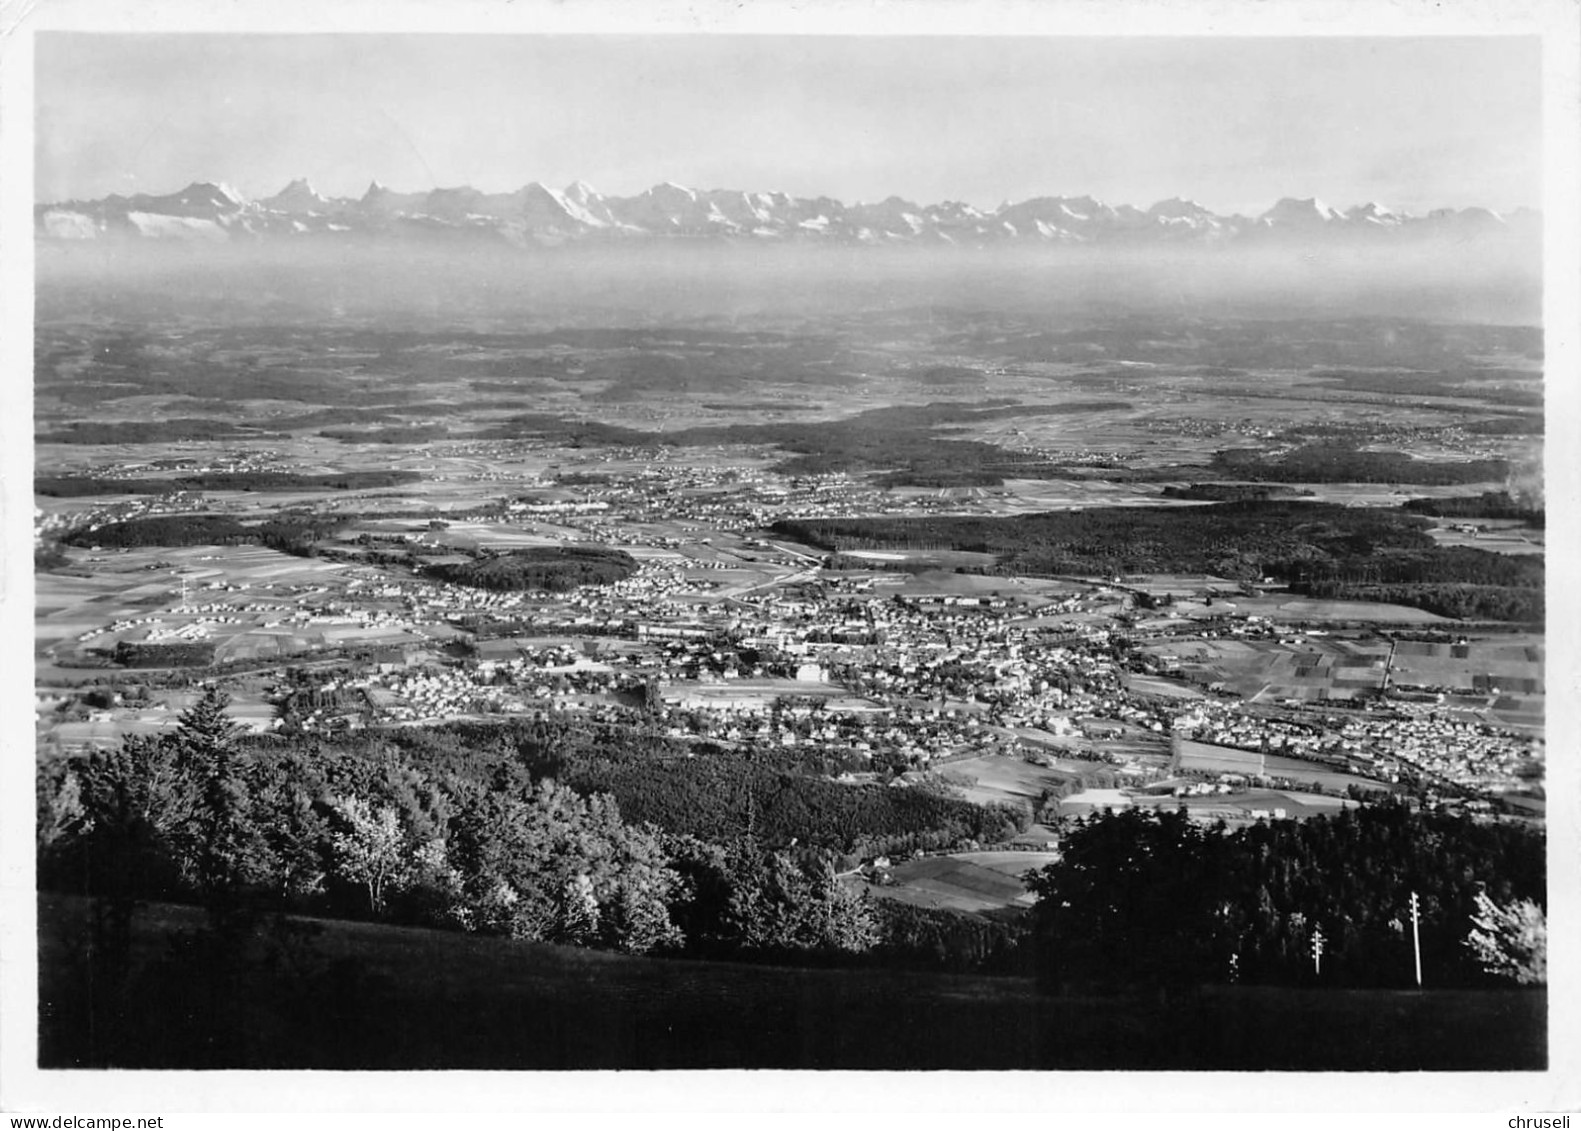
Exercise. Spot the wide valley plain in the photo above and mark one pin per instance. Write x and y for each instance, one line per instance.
(1056, 564)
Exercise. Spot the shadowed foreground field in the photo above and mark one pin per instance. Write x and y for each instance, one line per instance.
(357, 995)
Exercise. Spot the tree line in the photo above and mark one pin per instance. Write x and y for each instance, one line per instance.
(153, 432)
(1151, 897)
(1489, 504)
(78, 486)
(1332, 462)
(292, 532)
(1323, 549)
(1463, 602)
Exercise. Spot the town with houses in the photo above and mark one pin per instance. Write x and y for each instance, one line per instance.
(729, 634)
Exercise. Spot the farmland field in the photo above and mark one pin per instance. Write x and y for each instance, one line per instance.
(1313, 669)
(967, 881)
(1090, 801)
(996, 779)
(927, 559)
(1157, 685)
(1207, 758)
(1303, 609)
(1503, 664)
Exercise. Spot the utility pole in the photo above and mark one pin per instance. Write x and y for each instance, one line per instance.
(752, 805)
(1317, 951)
(1416, 935)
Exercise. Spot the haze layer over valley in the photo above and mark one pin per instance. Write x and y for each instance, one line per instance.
(1499, 282)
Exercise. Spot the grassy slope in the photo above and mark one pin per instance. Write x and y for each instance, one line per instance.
(360, 995)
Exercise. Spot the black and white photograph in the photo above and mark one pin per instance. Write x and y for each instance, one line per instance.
(930, 543)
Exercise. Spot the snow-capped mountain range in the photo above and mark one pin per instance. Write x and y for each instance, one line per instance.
(538, 215)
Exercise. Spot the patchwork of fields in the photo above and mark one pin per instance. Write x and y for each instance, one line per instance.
(968, 881)
(1503, 677)
(1314, 669)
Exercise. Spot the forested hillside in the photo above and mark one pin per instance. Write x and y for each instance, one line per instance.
(556, 569)
(548, 831)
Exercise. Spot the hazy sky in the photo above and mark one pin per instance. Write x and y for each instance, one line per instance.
(1415, 123)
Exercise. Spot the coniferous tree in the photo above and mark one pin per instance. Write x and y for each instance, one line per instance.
(225, 850)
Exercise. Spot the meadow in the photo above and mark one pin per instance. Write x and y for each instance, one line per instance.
(366, 996)
(977, 882)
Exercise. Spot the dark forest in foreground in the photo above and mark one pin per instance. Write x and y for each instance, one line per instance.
(1146, 925)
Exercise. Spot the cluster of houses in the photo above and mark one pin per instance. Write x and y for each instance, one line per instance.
(1467, 754)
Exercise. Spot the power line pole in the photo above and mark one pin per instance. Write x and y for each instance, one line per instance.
(1317, 951)
(1416, 935)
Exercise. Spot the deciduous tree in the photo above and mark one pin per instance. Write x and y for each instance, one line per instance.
(370, 847)
(1510, 941)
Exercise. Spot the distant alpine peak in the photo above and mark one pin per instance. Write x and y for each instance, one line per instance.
(1178, 206)
(538, 213)
(217, 192)
(1300, 210)
(299, 193)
